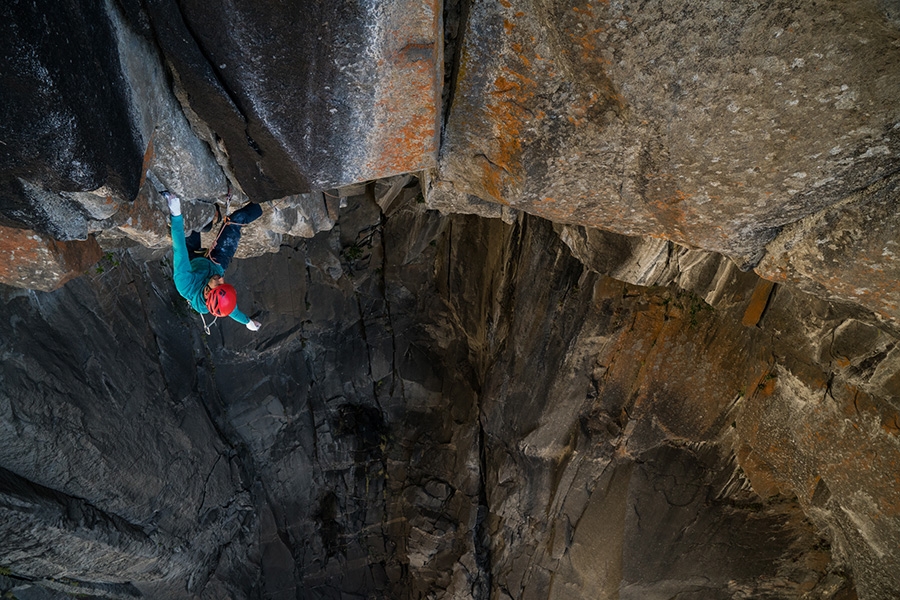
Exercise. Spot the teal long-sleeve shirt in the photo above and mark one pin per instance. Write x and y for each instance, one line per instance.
(191, 276)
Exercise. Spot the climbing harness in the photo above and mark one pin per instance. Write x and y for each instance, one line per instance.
(226, 221)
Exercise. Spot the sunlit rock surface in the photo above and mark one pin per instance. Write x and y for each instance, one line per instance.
(307, 95)
(713, 124)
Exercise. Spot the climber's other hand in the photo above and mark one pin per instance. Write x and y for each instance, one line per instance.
(253, 325)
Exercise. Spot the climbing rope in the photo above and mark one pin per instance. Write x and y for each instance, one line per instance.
(226, 220)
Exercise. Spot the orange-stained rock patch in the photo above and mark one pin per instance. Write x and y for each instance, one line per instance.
(758, 302)
(34, 261)
(404, 134)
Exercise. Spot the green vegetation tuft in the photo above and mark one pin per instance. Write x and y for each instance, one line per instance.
(353, 252)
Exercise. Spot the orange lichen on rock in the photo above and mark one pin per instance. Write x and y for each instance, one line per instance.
(149, 155)
(407, 101)
(409, 139)
(890, 423)
(503, 169)
(762, 476)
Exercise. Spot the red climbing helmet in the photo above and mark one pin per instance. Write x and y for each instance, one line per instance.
(221, 300)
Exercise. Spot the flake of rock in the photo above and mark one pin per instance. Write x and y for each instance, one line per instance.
(848, 252)
(182, 162)
(304, 215)
(711, 125)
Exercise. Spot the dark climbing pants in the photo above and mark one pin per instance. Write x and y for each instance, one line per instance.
(227, 242)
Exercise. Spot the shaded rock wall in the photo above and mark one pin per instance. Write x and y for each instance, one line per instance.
(65, 120)
(450, 407)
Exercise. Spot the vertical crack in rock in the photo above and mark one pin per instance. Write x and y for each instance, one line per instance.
(365, 338)
(174, 18)
(206, 481)
(456, 14)
(481, 588)
(381, 271)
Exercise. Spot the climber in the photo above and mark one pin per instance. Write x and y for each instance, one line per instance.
(201, 280)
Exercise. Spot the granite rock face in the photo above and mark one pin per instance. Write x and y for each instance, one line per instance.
(245, 102)
(716, 125)
(744, 130)
(442, 405)
(308, 95)
(449, 407)
(846, 252)
(65, 121)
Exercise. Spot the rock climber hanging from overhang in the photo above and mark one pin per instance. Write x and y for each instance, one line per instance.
(201, 280)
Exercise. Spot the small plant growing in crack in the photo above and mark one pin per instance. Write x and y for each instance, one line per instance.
(353, 252)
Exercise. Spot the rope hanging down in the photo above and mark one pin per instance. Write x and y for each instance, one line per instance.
(205, 326)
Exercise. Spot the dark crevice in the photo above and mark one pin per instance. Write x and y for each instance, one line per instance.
(482, 542)
(456, 16)
(363, 333)
(450, 259)
(252, 143)
(492, 163)
(209, 475)
(395, 372)
(232, 98)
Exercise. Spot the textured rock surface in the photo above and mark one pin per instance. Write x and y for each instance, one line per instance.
(42, 263)
(847, 252)
(65, 122)
(714, 125)
(748, 131)
(253, 103)
(89, 108)
(308, 95)
(450, 407)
